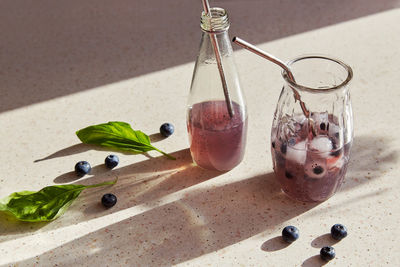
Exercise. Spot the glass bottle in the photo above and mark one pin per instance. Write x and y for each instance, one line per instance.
(311, 147)
(217, 140)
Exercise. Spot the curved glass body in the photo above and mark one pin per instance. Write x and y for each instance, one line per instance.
(311, 147)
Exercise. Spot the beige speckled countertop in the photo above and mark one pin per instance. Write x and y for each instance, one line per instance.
(173, 213)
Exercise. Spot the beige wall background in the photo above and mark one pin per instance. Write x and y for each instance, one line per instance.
(54, 48)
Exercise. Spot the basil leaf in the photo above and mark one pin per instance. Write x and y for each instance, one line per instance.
(45, 205)
(118, 135)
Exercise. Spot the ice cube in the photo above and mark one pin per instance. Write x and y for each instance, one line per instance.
(335, 132)
(321, 122)
(299, 118)
(321, 144)
(297, 152)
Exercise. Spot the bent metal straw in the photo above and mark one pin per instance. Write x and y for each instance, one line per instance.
(280, 63)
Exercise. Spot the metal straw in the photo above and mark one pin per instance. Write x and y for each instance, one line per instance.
(275, 60)
(217, 53)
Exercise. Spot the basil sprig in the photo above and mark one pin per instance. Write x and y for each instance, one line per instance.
(118, 135)
(45, 205)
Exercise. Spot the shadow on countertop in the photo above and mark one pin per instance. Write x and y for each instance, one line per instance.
(145, 181)
(52, 49)
(201, 222)
(314, 261)
(371, 156)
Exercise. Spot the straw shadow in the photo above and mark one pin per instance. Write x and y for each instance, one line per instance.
(323, 241)
(54, 51)
(201, 222)
(274, 244)
(72, 176)
(314, 261)
(370, 157)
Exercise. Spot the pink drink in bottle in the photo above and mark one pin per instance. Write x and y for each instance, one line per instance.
(216, 140)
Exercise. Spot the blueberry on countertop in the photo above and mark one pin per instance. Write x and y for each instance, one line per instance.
(108, 200)
(111, 161)
(338, 231)
(290, 234)
(327, 253)
(82, 168)
(167, 129)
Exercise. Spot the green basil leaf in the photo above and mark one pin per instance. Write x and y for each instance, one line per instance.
(45, 205)
(118, 135)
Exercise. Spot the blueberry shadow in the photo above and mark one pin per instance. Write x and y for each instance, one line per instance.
(323, 241)
(156, 137)
(314, 261)
(201, 221)
(274, 244)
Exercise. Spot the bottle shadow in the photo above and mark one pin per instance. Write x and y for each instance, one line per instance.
(138, 183)
(200, 222)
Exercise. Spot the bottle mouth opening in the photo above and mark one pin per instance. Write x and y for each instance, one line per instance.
(318, 73)
(215, 22)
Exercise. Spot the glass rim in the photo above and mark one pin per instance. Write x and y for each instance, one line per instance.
(346, 67)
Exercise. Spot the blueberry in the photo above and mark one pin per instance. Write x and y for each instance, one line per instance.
(82, 168)
(290, 234)
(166, 129)
(336, 153)
(288, 175)
(318, 170)
(338, 231)
(327, 253)
(292, 142)
(322, 126)
(283, 148)
(111, 161)
(108, 200)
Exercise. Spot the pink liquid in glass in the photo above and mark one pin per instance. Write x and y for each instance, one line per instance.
(310, 168)
(216, 140)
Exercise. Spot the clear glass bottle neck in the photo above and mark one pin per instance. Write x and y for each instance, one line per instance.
(215, 22)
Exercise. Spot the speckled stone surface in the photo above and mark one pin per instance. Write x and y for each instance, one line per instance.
(173, 213)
